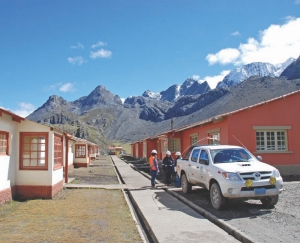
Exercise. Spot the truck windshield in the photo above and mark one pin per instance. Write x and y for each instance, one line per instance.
(230, 155)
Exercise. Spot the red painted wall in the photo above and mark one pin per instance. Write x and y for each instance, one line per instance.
(282, 112)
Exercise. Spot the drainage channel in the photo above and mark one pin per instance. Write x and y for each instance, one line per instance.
(142, 225)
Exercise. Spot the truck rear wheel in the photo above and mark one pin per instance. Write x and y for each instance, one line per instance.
(269, 201)
(217, 199)
(186, 186)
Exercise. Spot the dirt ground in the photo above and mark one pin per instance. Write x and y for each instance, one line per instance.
(74, 215)
(102, 172)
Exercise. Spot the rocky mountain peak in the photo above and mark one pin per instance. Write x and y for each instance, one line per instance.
(55, 100)
(292, 71)
(100, 96)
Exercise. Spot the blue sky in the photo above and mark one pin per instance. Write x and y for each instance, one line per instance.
(68, 48)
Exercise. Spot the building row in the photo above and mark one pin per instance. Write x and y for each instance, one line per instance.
(35, 159)
(270, 129)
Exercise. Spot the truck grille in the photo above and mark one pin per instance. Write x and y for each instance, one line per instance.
(256, 176)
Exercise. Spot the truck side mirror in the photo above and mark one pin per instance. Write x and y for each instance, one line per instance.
(259, 158)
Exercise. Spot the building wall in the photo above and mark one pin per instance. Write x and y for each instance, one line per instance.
(202, 132)
(35, 177)
(8, 163)
(27, 184)
(81, 162)
(282, 112)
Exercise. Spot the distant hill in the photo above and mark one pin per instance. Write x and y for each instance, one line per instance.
(101, 116)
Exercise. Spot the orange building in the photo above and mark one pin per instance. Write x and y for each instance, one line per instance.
(270, 129)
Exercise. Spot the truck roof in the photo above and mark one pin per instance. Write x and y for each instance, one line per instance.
(217, 146)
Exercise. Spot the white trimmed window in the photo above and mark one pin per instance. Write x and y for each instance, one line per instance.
(214, 134)
(174, 145)
(271, 138)
(215, 138)
(194, 140)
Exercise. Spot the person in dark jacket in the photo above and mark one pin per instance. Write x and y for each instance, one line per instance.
(168, 167)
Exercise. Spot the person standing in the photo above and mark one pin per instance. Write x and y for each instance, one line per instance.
(153, 167)
(168, 167)
(177, 179)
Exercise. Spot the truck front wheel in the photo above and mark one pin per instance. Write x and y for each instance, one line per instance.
(186, 186)
(269, 201)
(217, 199)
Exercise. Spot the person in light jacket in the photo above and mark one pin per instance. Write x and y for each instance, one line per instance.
(176, 176)
(168, 167)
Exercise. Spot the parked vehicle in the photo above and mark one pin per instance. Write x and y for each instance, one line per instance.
(229, 172)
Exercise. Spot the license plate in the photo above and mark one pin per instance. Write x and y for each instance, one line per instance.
(260, 191)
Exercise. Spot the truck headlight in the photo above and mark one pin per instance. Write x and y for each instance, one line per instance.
(276, 173)
(231, 176)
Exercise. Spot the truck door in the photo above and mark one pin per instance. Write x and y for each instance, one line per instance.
(193, 166)
(203, 168)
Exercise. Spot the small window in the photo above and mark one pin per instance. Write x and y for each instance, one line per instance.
(194, 140)
(215, 138)
(3, 143)
(34, 151)
(271, 140)
(195, 155)
(80, 151)
(174, 145)
(58, 151)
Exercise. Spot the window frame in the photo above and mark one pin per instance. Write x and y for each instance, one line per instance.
(5, 153)
(174, 145)
(77, 146)
(194, 137)
(60, 163)
(266, 141)
(46, 144)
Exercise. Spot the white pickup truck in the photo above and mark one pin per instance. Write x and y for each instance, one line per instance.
(229, 172)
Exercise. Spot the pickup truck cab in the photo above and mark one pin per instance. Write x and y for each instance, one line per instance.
(229, 172)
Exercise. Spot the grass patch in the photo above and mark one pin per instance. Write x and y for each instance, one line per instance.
(80, 215)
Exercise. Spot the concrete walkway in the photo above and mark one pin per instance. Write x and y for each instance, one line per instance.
(168, 219)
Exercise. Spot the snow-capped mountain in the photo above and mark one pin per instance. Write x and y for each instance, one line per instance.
(176, 91)
(151, 95)
(254, 69)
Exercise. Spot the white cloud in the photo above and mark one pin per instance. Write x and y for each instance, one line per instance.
(98, 44)
(214, 80)
(276, 44)
(101, 54)
(66, 87)
(224, 56)
(78, 46)
(235, 33)
(76, 60)
(297, 1)
(25, 109)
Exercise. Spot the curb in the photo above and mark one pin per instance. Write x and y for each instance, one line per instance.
(129, 200)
